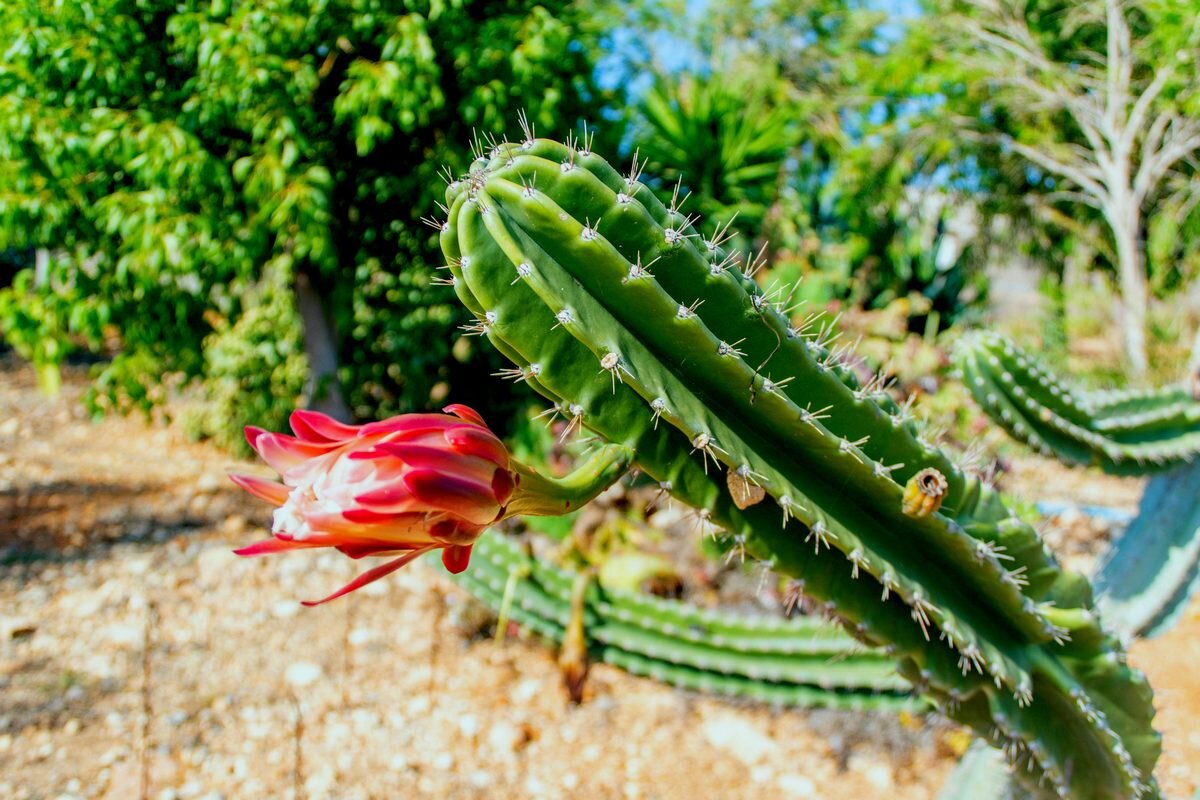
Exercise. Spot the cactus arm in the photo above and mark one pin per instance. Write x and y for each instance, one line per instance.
(1148, 575)
(534, 248)
(981, 774)
(832, 671)
(1123, 433)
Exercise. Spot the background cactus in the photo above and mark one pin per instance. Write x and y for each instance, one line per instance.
(802, 661)
(1149, 573)
(1130, 432)
(616, 309)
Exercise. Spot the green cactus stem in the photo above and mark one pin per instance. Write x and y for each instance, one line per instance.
(636, 327)
(1151, 572)
(802, 661)
(1122, 432)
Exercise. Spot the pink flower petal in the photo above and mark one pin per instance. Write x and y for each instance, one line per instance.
(408, 422)
(365, 516)
(391, 499)
(395, 529)
(313, 426)
(478, 442)
(357, 551)
(456, 558)
(252, 433)
(423, 456)
(452, 531)
(465, 412)
(465, 498)
(285, 452)
(502, 486)
(271, 491)
(372, 575)
(271, 546)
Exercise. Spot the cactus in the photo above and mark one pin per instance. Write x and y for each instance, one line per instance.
(614, 307)
(1122, 432)
(1147, 576)
(803, 662)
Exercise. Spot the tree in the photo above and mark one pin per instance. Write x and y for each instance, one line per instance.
(202, 175)
(1102, 98)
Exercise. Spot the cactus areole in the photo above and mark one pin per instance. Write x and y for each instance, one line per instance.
(635, 326)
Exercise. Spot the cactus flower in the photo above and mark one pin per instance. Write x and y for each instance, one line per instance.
(403, 486)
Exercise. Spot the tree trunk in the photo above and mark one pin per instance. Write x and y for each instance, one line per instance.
(323, 391)
(1135, 291)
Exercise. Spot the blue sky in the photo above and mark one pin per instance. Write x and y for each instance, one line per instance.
(672, 54)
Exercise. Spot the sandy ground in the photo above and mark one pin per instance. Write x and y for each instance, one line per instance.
(140, 658)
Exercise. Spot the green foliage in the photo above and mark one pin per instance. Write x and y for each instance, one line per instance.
(721, 138)
(251, 371)
(166, 152)
(687, 368)
(814, 154)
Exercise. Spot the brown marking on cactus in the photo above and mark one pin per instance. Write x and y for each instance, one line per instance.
(924, 492)
(743, 489)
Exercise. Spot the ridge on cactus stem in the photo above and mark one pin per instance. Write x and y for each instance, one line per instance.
(403, 487)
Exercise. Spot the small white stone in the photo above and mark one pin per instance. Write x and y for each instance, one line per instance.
(302, 673)
(761, 774)
(739, 738)
(283, 609)
(797, 786)
(468, 724)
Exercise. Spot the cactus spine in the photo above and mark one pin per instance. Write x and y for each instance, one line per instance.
(619, 312)
(783, 662)
(1122, 432)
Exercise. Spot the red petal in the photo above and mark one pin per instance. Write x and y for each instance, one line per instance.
(283, 452)
(442, 459)
(455, 558)
(252, 433)
(408, 422)
(386, 499)
(372, 575)
(313, 426)
(271, 491)
(465, 412)
(465, 498)
(357, 551)
(367, 454)
(364, 515)
(502, 486)
(479, 443)
(271, 546)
